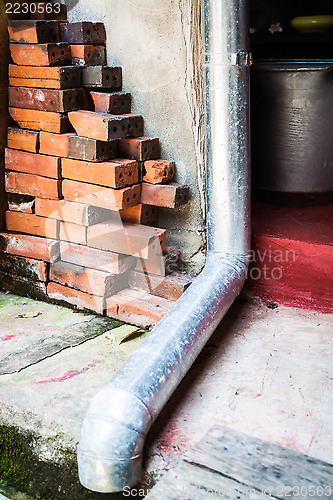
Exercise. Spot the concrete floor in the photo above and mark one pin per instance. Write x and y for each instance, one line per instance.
(266, 372)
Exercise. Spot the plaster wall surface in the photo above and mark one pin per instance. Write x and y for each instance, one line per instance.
(158, 45)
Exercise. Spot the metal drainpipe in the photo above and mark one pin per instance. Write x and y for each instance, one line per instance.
(121, 414)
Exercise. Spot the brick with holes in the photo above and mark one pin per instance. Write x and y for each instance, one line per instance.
(111, 199)
(74, 233)
(140, 214)
(87, 280)
(33, 247)
(29, 268)
(32, 163)
(48, 77)
(21, 203)
(33, 185)
(88, 55)
(165, 195)
(46, 54)
(59, 101)
(105, 77)
(138, 308)
(82, 32)
(99, 126)
(135, 126)
(169, 287)
(130, 239)
(161, 264)
(158, 171)
(41, 120)
(32, 31)
(32, 224)
(81, 148)
(68, 211)
(115, 103)
(25, 140)
(139, 148)
(94, 258)
(115, 174)
(82, 300)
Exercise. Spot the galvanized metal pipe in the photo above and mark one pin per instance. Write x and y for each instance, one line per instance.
(121, 414)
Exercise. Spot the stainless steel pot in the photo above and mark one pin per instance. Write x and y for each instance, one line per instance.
(292, 126)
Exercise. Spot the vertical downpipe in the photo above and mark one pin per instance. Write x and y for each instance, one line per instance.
(119, 417)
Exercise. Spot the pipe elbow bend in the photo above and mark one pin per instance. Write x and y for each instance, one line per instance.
(112, 439)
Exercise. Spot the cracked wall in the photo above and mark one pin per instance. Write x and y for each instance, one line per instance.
(158, 44)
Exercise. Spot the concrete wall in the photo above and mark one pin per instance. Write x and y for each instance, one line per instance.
(158, 44)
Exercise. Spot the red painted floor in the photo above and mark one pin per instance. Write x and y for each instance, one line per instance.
(292, 256)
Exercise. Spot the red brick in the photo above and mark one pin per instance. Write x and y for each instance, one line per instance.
(54, 144)
(139, 148)
(169, 287)
(161, 264)
(158, 171)
(74, 233)
(68, 211)
(33, 247)
(61, 77)
(87, 280)
(135, 125)
(76, 298)
(114, 174)
(41, 120)
(33, 31)
(115, 103)
(21, 203)
(140, 214)
(21, 285)
(99, 126)
(33, 185)
(82, 32)
(165, 195)
(111, 199)
(80, 148)
(137, 308)
(26, 140)
(32, 224)
(32, 163)
(88, 55)
(126, 238)
(59, 101)
(28, 268)
(47, 54)
(105, 77)
(49, 11)
(95, 259)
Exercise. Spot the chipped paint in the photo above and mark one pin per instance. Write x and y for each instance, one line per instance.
(68, 375)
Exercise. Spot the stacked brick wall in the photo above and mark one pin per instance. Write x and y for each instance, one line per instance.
(83, 182)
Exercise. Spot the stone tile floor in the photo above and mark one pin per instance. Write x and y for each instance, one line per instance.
(265, 372)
